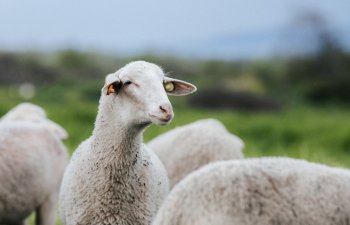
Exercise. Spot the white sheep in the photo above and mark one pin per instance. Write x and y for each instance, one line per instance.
(187, 148)
(113, 178)
(264, 191)
(32, 162)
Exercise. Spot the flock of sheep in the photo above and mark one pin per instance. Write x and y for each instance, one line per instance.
(113, 178)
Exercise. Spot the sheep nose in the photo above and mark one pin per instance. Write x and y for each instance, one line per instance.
(167, 110)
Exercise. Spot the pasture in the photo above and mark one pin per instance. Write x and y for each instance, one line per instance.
(320, 134)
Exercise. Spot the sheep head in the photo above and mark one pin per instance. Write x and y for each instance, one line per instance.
(139, 91)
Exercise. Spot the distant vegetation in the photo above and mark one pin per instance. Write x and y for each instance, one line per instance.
(319, 78)
(68, 84)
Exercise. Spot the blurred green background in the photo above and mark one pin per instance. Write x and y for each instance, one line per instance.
(296, 106)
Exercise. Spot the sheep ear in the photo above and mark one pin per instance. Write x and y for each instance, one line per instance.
(112, 88)
(178, 87)
(112, 85)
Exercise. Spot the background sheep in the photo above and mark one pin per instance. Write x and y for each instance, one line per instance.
(32, 162)
(112, 177)
(264, 191)
(185, 149)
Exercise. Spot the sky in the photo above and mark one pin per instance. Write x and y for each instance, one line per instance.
(133, 26)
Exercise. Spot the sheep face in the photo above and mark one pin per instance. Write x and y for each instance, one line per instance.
(139, 93)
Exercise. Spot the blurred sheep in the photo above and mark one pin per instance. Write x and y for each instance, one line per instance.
(32, 163)
(187, 148)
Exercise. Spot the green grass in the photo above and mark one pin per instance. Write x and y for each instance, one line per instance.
(312, 133)
(320, 135)
(316, 134)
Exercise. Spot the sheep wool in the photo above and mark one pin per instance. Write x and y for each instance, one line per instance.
(187, 148)
(264, 191)
(113, 178)
(32, 162)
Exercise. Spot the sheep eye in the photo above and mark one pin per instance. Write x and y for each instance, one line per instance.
(127, 83)
(169, 86)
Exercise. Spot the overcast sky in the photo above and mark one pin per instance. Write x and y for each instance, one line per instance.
(131, 25)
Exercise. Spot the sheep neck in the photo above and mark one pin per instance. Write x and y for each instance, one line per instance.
(114, 141)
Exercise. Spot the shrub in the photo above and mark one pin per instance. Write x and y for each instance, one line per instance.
(15, 70)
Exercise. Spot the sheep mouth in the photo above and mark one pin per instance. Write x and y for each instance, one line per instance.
(160, 120)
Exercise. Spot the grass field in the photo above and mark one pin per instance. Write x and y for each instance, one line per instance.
(313, 133)
(316, 134)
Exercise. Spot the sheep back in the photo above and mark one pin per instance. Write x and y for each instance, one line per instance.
(263, 191)
(187, 148)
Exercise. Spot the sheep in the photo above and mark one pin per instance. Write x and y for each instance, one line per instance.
(264, 191)
(185, 149)
(32, 161)
(113, 178)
